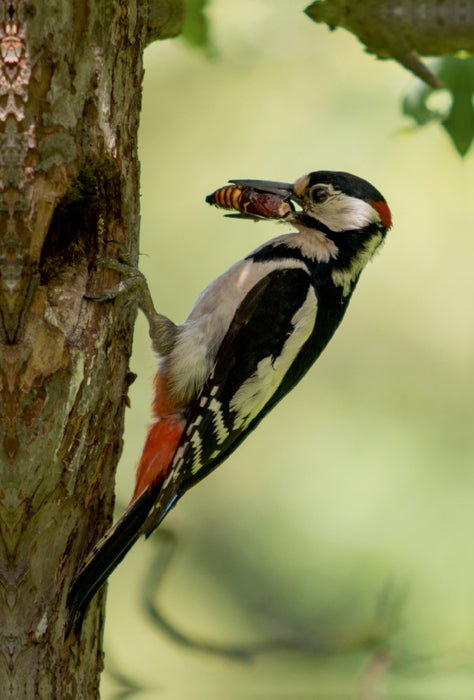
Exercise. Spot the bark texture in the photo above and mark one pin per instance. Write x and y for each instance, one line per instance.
(70, 84)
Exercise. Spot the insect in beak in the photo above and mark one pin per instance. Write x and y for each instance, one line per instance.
(255, 199)
(281, 189)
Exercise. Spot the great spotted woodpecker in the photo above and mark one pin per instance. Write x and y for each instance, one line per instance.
(251, 336)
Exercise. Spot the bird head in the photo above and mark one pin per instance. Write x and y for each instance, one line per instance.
(342, 218)
(329, 200)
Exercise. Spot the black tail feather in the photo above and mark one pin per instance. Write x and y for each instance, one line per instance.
(105, 556)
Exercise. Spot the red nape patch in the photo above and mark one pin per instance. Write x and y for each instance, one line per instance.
(161, 443)
(384, 211)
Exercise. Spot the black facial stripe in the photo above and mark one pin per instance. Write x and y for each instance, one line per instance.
(350, 243)
(311, 222)
(280, 251)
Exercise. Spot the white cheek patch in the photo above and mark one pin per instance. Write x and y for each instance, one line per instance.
(344, 213)
(252, 396)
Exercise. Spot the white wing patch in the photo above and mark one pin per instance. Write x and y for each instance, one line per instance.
(196, 441)
(252, 396)
(218, 421)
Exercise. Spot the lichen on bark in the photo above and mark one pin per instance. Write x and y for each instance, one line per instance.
(70, 92)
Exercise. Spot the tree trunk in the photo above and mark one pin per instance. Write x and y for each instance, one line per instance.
(70, 90)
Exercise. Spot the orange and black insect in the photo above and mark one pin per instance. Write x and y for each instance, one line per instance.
(249, 201)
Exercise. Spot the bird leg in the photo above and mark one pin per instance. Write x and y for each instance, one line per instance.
(163, 332)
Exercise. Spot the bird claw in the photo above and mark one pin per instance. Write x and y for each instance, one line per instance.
(163, 331)
(134, 283)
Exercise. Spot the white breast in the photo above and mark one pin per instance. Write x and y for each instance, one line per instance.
(200, 336)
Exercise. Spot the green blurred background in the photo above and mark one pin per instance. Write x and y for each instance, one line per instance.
(361, 481)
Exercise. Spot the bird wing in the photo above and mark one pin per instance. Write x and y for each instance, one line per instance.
(267, 333)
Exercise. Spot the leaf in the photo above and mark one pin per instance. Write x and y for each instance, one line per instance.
(457, 75)
(196, 26)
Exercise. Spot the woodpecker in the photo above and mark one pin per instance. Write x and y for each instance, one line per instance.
(249, 339)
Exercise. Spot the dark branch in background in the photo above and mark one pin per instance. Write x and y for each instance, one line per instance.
(165, 19)
(404, 30)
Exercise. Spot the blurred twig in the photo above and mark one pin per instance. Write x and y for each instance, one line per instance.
(128, 687)
(372, 636)
(151, 587)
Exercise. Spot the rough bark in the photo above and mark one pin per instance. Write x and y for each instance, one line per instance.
(70, 83)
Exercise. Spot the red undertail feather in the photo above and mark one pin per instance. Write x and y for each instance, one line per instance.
(162, 440)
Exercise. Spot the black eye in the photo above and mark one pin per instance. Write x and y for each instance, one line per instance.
(319, 194)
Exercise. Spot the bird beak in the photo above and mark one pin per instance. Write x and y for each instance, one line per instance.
(281, 189)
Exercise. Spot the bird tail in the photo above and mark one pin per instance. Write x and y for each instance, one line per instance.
(106, 555)
(162, 440)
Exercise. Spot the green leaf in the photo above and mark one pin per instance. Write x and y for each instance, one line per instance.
(457, 76)
(196, 26)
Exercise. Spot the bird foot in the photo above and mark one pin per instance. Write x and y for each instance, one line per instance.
(163, 331)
